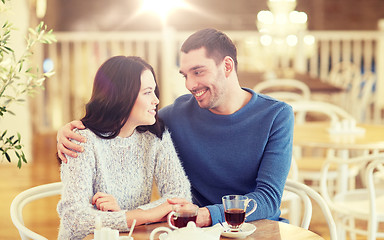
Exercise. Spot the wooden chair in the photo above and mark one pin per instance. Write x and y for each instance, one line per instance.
(310, 160)
(25, 197)
(306, 194)
(358, 95)
(364, 203)
(344, 74)
(284, 89)
(290, 202)
(364, 98)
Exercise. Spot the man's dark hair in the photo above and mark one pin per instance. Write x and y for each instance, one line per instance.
(217, 44)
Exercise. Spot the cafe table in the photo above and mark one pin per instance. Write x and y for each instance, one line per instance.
(316, 85)
(319, 135)
(265, 229)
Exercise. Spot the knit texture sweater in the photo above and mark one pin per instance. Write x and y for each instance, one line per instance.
(123, 167)
(248, 152)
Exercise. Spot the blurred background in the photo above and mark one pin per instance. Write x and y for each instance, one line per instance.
(88, 32)
(317, 36)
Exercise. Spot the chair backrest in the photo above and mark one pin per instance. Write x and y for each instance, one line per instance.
(366, 94)
(291, 202)
(306, 193)
(25, 197)
(362, 97)
(284, 89)
(371, 166)
(378, 165)
(345, 74)
(331, 112)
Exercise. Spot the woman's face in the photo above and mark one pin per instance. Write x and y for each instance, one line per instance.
(144, 110)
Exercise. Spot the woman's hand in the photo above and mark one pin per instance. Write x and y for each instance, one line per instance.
(175, 201)
(64, 145)
(156, 214)
(105, 202)
(203, 216)
(160, 213)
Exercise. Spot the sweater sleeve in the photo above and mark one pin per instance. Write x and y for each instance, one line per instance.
(170, 177)
(273, 171)
(75, 207)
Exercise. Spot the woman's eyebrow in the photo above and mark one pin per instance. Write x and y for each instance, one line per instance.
(147, 88)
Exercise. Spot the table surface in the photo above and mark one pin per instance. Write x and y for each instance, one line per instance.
(265, 229)
(315, 134)
(315, 84)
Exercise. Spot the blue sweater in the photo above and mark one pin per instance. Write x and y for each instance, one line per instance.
(247, 152)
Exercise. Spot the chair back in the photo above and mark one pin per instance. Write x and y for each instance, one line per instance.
(344, 74)
(284, 89)
(25, 197)
(291, 202)
(318, 110)
(306, 194)
(358, 95)
(363, 98)
(364, 202)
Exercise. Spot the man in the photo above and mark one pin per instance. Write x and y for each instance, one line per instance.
(230, 140)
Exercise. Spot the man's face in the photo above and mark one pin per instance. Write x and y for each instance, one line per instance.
(203, 78)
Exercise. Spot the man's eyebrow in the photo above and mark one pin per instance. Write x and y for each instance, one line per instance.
(192, 69)
(196, 67)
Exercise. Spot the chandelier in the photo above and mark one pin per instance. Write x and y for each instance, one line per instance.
(281, 24)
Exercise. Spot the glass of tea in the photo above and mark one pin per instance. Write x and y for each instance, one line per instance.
(235, 210)
(182, 214)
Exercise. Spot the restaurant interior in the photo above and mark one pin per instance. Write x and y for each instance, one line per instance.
(325, 58)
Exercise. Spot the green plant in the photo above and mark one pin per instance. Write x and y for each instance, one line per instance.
(18, 80)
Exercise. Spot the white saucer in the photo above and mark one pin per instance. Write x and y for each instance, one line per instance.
(354, 131)
(245, 230)
(163, 236)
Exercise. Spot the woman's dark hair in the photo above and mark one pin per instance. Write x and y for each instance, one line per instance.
(115, 89)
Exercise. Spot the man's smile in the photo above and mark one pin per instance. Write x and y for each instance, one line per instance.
(199, 93)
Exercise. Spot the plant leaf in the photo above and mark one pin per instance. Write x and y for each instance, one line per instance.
(5, 132)
(23, 156)
(7, 156)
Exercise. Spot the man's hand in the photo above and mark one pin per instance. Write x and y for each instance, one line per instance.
(105, 202)
(203, 218)
(64, 145)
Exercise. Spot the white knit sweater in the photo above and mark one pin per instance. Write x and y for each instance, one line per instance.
(124, 168)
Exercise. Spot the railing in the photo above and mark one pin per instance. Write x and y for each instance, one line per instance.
(77, 56)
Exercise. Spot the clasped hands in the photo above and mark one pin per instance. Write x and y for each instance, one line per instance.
(107, 202)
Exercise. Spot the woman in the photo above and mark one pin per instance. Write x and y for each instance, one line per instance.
(127, 148)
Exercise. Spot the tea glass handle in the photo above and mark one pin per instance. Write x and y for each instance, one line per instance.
(253, 209)
(159, 229)
(170, 215)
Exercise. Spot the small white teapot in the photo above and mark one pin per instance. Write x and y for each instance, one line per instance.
(190, 232)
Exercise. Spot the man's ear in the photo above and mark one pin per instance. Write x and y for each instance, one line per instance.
(228, 65)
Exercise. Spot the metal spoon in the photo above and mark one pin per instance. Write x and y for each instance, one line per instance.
(225, 230)
(132, 227)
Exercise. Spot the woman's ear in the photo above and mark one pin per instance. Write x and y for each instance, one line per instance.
(228, 65)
